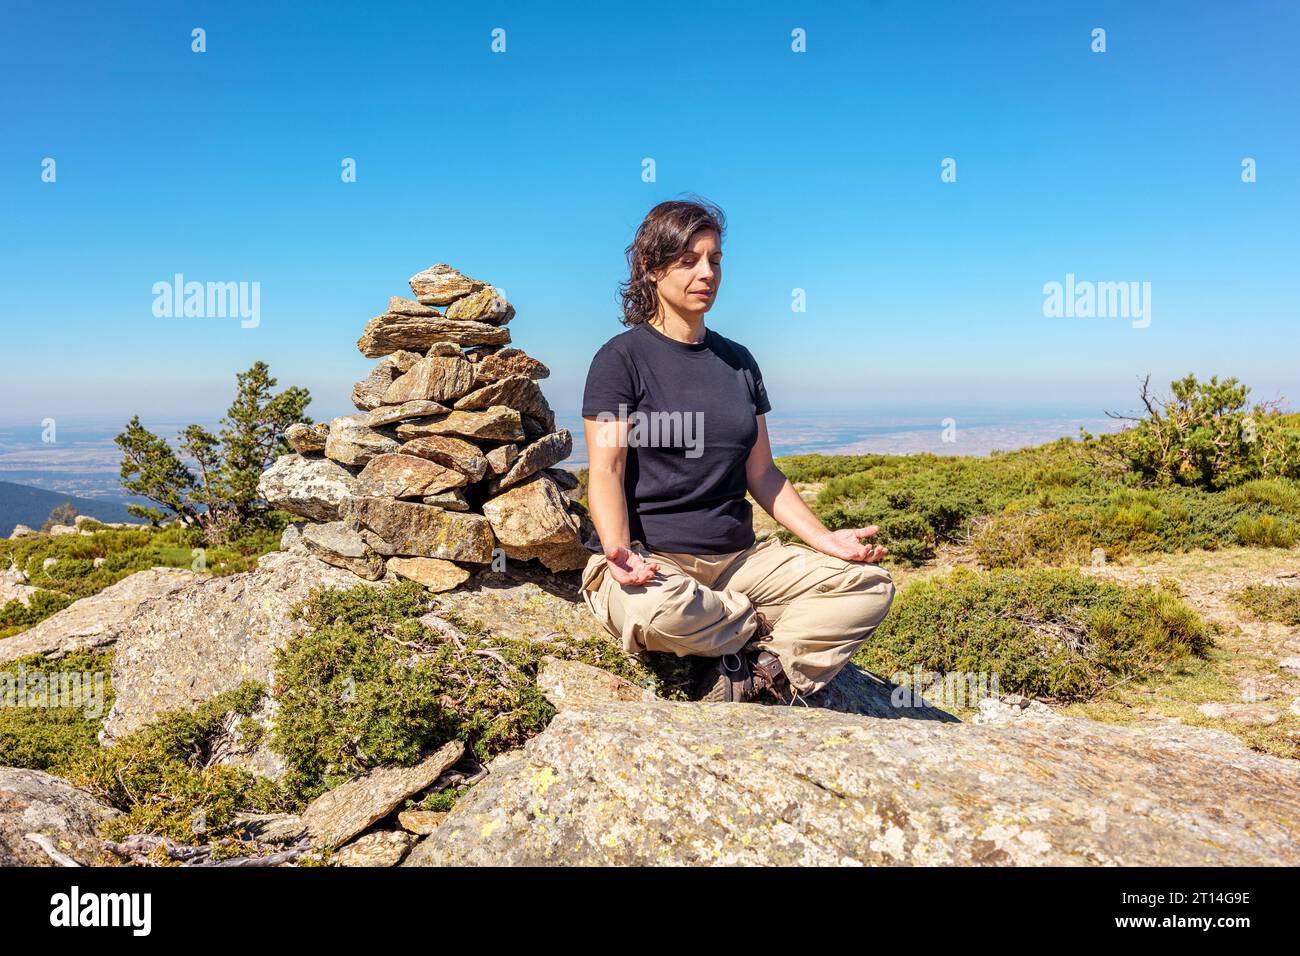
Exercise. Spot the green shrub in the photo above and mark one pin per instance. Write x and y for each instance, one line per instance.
(52, 738)
(1270, 603)
(1047, 632)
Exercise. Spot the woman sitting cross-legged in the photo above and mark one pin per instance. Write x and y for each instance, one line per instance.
(674, 420)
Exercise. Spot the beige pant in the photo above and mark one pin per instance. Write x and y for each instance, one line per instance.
(821, 608)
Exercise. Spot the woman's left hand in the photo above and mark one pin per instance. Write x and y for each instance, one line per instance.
(844, 544)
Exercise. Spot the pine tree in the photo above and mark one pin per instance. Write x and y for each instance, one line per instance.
(219, 492)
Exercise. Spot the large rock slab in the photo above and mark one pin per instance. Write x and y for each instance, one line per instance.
(210, 635)
(689, 783)
(440, 284)
(96, 621)
(497, 423)
(406, 476)
(61, 817)
(394, 331)
(310, 487)
(338, 815)
(448, 450)
(423, 531)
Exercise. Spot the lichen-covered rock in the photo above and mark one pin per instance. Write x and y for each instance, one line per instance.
(686, 784)
(486, 305)
(440, 284)
(530, 514)
(96, 621)
(62, 819)
(353, 442)
(424, 531)
(337, 544)
(500, 459)
(397, 303)
(497, 423)
(406, 476)
(210, 635)
(307, 439)
(338, 815)
(311, 487)
(574, 684)
(493, 364)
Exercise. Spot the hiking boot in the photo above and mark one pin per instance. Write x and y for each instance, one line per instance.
(770, 679)
(730, 678)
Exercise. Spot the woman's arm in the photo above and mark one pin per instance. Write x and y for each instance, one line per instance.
(774, 493)
(607, 458)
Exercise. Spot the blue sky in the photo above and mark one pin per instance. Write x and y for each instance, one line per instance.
(524, 168)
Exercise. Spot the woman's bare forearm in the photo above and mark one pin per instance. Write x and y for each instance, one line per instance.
(608, 507)
(775, 495)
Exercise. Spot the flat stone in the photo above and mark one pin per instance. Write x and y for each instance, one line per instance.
(421, 822)
(464, 456)
(353, 442)
(486, 305)
(425, 531)
(404, 306)
(440, 284)
(337, 544)
(497, 423)
(453, 499)
(310, 487)
(394, 331)
(405, 476)
(378, 848)
(434, 573)
(338, 815)
(568, 684)
(388, 414)
(437, 378)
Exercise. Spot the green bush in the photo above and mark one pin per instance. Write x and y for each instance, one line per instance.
(1270, 603)
(1048, 632)
(52, 738)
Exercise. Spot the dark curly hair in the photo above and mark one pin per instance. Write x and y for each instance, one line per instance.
(662, 237)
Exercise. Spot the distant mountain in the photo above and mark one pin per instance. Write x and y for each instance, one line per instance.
(23, 504)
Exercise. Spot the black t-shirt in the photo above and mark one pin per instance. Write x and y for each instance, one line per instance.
(691, 410)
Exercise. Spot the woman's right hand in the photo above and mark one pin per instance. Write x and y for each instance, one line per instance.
(629, 568)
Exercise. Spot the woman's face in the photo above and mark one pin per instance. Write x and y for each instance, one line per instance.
(690, 284)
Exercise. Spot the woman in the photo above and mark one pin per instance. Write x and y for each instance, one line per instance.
(674, 419)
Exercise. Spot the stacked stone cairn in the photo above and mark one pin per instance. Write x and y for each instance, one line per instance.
(448, 467)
